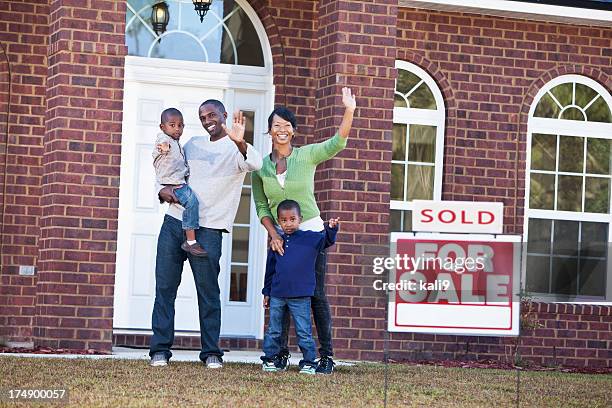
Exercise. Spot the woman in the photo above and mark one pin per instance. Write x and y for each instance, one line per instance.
(288, 173)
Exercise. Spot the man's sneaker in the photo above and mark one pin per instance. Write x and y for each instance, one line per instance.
(282, 361)
(308, 369)
(195, 249)
(325, 365)
(269, 366)
(159, 360)
(213, 362)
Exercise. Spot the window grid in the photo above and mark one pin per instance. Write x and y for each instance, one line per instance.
(587, 131)
(563, 108)
(221, 23)
(583, 174)
(416, 116)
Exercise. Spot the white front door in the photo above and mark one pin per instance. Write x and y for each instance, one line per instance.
(141, 214)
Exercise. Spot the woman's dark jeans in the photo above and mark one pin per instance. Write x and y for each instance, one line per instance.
(320, 312)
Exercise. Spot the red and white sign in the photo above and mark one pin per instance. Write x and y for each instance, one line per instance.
(454, 284)
(458, 216)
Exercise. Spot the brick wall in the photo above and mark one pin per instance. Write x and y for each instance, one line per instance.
(81, 160)
(489, 69)
(291, 29)
(23, 34)
(357, 49)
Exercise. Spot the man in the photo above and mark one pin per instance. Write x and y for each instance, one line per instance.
(218, 165)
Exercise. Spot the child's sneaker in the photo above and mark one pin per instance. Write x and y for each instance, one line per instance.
(195, 249)
(282, 361)
(325, 365)
(269, 367)
(308, 369)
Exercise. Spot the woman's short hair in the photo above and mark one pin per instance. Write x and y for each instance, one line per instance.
(284, 113)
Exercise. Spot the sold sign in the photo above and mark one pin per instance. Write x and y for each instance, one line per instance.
(458, 216)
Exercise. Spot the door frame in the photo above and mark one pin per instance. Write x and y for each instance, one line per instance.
(231, 79)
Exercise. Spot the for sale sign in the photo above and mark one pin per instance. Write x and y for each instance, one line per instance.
(453, 284)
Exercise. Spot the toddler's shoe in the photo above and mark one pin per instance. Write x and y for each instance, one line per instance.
(195, 249)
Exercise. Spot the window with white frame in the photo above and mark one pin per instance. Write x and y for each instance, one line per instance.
(418, 143)
(226, 35)
(568, 189)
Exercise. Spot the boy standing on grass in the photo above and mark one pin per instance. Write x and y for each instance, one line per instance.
(290, 282)
(171, 169)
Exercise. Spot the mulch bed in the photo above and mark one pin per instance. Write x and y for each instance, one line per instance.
(48, 350)
(506, 366)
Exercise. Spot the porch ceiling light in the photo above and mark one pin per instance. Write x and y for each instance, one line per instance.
(201, 7)
(160, 17)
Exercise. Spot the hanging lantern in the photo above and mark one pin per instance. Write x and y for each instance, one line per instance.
(201, 7)
(160, 17)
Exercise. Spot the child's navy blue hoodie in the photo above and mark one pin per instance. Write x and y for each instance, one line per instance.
(293, 274)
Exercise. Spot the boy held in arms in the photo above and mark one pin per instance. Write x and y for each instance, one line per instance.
(171, 169)
(290, 282)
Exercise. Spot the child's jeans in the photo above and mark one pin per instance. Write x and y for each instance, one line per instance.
(189, 201)
(299, 307)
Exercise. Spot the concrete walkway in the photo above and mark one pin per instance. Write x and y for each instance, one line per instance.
(125, 353)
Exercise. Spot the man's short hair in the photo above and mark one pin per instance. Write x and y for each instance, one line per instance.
(288, 205)
(214, 102)
(166, 114)
(284, 113)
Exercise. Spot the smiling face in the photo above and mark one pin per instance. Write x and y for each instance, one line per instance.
(212, 118)
(173, 126)
(289, 220)
(281, 131)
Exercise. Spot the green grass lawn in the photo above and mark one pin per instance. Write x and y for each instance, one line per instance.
(121, 383)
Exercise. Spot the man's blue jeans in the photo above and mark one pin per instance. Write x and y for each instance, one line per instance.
(299, 308)
(189, 201)
(320, 312)
(168, 270)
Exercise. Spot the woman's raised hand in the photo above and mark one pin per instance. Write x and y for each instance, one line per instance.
(348, 99)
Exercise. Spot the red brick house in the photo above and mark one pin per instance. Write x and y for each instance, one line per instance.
(457, 101)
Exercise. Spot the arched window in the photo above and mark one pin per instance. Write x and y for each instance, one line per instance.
(569, 172)
(418, 143)
(225, 36)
